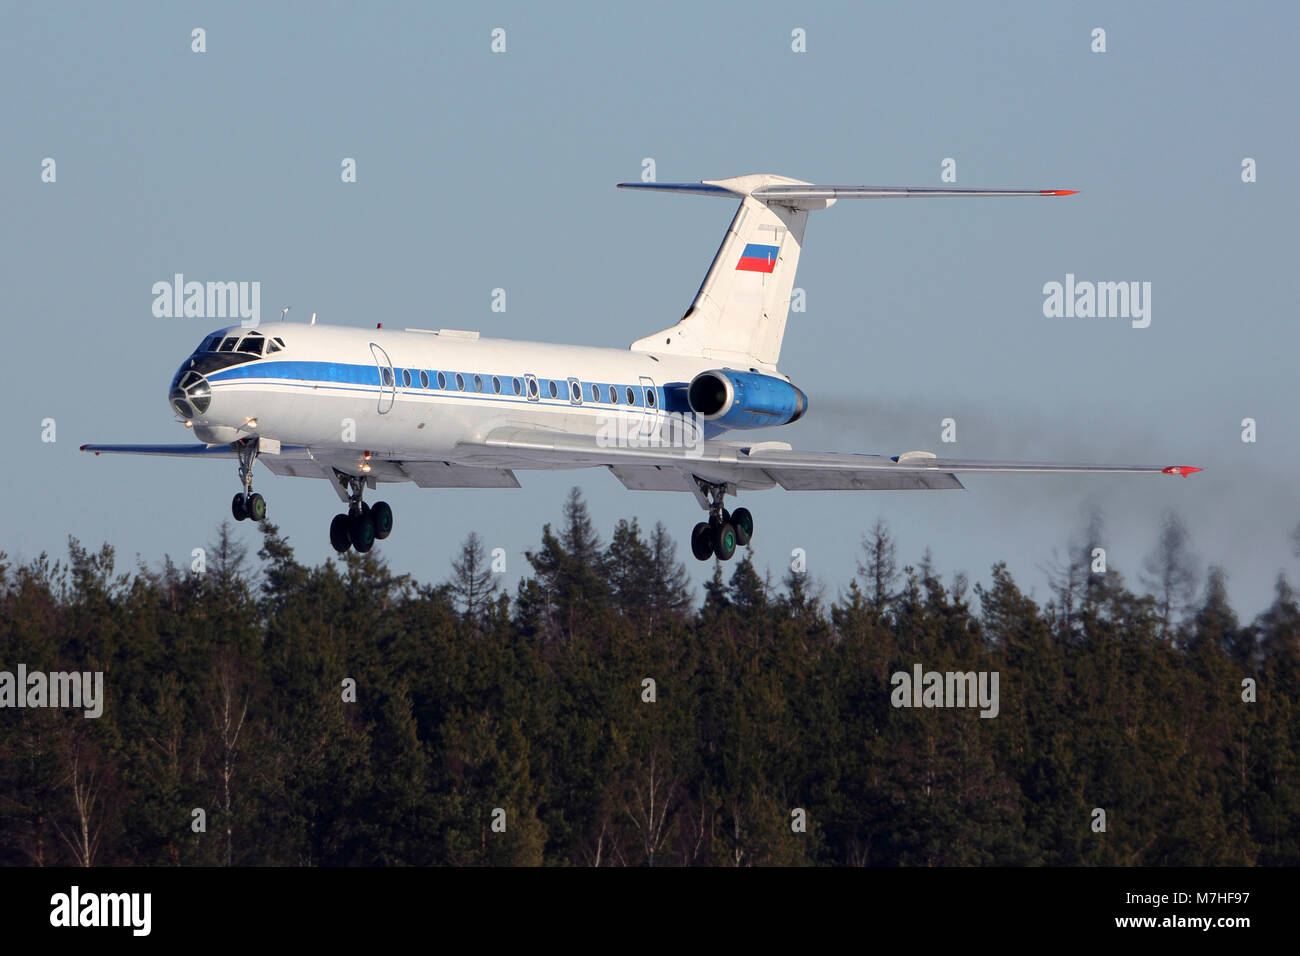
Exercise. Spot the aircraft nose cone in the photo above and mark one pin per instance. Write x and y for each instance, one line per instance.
(190, 394)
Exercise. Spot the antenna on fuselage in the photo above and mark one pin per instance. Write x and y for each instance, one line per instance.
(313, 318)
(284, 312)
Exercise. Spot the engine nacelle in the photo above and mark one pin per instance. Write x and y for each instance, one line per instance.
(745, 399)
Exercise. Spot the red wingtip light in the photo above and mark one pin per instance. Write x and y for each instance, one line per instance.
(1182, 470)
(1059, 192)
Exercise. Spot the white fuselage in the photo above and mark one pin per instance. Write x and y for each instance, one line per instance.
(333, 387)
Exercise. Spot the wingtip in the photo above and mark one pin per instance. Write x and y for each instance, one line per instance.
(1182, 470)
(1059, 192)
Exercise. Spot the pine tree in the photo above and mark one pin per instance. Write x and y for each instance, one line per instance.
(473, 583)
(879, 570)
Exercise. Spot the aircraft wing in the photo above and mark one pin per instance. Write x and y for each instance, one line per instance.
(299, 461)
(489, 463)
(190, 451)
(755, 465)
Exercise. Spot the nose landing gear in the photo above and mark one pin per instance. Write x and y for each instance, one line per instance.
(247, 504)
(724, 530)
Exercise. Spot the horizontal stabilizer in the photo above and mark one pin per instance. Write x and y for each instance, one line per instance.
(739, 314)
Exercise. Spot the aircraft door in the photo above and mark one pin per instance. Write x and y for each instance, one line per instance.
(387, 379)
(650, 398)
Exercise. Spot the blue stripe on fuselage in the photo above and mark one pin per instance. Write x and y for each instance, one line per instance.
(303, 372)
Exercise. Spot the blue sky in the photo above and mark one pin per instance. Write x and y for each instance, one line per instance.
(479, 170)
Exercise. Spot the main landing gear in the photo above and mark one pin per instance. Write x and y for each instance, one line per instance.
(363, 525)
(724, 530)
(247, 504)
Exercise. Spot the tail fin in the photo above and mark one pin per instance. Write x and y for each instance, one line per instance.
(739, 313)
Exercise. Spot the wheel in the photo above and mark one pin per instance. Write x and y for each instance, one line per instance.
(362, 532)
(365, 508)
(256, 507)
(339, 534)
(237, 508)
(743, 522)
(702, 542)
(724, 541)
(382, 516)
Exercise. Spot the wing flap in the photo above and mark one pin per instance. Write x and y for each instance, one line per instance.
(443, 474)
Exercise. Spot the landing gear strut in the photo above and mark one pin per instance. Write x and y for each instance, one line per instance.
(247, 504)
(724, 530)
(363, 525)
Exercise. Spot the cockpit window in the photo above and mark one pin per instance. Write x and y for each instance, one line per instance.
(210, 343)
(273, 345)
(252, 344)
(228, 344)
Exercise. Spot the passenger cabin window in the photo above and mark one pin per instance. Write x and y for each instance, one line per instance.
(442, 380)
(613, 395)
(553, 389)
(631, 396)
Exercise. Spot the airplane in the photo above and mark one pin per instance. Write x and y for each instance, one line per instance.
(446, 408)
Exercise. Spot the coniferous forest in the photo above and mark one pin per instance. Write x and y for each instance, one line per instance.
(340, 714)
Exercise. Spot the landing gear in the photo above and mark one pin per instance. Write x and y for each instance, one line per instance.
(363, 525)
(247, 504)
(339, 535)
(724, 541)
(381, 516)
(702, 542)
(743, 522)
(724, 531)
(361, 531)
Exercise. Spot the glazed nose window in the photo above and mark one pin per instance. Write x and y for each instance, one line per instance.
(191, 395)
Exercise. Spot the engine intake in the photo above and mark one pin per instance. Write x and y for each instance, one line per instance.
(745, 399)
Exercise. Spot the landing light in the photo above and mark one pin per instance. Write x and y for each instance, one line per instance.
(365, 467)
(251, 423)
(188, 423)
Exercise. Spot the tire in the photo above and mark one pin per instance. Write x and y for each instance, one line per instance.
(362, 532)
(724, 541)
(237, 508)
(702, 542)
(743, 522)
(382, 516)
(340, 537)
(256, 507)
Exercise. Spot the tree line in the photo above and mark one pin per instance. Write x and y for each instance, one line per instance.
(269, 712)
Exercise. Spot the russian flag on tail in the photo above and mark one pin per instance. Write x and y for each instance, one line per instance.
(758, 258)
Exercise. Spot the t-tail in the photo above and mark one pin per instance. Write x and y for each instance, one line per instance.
(738, 315)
